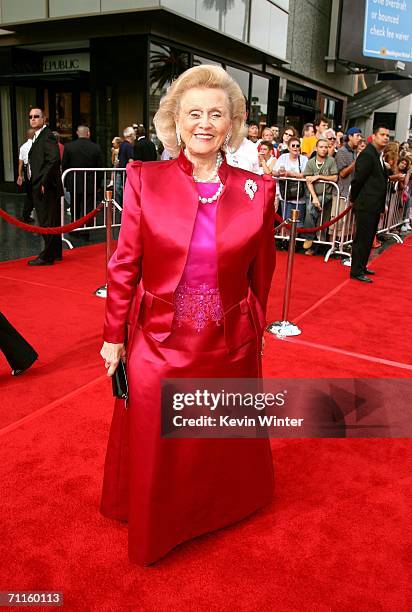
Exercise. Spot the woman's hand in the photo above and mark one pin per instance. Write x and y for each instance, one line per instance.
(112, 354)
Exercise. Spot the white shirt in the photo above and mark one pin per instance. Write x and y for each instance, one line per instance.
(24, 151)
(246, 157)
(296, 165)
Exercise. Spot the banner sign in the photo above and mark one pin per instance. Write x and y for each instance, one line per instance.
(388, 30)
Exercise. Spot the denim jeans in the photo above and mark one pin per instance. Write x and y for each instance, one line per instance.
(300, 206)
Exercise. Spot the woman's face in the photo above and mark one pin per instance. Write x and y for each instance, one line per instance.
(402, 165)
(267, 134)
(287, 136)
(204, 120)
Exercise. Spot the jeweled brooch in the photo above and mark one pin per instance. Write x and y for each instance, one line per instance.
(250, 188)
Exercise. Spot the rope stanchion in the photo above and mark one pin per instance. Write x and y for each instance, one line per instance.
(36, 229)
(313, 230)
(108, 204)
(284, 327)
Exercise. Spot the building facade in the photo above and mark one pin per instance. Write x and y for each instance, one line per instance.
(106, 63)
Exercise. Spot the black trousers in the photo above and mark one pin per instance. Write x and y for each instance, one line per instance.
(28, 200)
(48, 210)
(16, 349)
(366, 227)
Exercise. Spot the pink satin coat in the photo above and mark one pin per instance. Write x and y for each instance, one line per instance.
(157, 226)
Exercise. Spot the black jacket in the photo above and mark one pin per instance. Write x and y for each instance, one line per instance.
(144, 150)
(82, 153)
(370, 183)
(44, 161)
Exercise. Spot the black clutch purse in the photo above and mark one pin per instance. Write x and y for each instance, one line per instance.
(119, 382)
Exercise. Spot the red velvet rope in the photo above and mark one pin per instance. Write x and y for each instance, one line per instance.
(36, 229)
(313, 230)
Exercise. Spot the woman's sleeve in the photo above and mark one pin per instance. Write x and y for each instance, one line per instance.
(124, 269)
(262, 268)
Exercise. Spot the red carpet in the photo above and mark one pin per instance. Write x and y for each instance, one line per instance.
(336, 535)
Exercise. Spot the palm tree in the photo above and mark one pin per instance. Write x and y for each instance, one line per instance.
(222, 6)
(165, 65)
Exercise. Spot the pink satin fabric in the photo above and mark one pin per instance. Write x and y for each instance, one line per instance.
(197, 301)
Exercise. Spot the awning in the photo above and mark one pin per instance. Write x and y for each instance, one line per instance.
(364, 103)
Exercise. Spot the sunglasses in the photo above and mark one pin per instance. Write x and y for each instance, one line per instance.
(288, 134)
(331, 138)
(34, 116)
(295, 146)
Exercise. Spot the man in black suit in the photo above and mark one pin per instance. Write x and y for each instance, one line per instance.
(144, 149)
(47, 188)
(82, 153)
(368, 194)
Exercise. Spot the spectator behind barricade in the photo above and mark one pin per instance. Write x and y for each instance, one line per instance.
(267, 135)
(330, 136)
(276, 134)
(404, 147)
(116, 142)
(405, 165)
(308, 140)
(340, 139)
(253, 132)
(126, 153)
(114, 154)
(60, 144)
(362, 145)
(292, 193)
(245, 156)
(144, 148)
(23, 178)
(391, 156)
(82, 153)
(266, 158)
(322, 167)
(287, 134)
(346, 158)
(320, 124)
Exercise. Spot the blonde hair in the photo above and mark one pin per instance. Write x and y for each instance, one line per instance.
(206, 76)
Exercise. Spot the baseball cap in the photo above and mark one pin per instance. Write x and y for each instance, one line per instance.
(353, 130)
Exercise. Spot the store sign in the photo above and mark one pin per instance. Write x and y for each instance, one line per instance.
(388, 30)
(66, 63)
(302, 101)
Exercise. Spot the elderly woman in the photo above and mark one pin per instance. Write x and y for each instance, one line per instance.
(188, 286)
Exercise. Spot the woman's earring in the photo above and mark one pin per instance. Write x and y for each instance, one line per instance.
(227, 139)
(178, 137)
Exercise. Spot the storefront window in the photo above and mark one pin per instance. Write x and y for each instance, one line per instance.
(259, 100)
(166, 63)
(85, 108)
(242, 79)
(64, 114)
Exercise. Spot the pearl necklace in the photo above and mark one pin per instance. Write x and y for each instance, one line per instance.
(214, 175)
(214, 197)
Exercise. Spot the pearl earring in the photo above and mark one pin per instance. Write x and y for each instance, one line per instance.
(178, 137)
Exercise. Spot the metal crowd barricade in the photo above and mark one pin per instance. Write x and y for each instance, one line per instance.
(84, 189)
(392, 218)
(302, 201)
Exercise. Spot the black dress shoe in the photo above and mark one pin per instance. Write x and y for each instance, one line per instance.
(369, 272)
(362, 277)
(39, 262)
